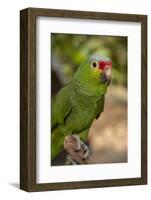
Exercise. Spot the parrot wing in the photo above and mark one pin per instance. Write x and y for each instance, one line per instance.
(61, 106)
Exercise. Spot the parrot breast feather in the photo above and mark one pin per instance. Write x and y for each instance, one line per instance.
(101, 106)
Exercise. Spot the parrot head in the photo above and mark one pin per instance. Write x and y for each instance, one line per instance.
(101, 67)
(94, 76)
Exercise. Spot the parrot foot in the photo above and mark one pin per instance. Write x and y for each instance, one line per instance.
(77, 150)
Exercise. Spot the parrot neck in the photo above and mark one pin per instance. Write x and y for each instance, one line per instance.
(93, 95)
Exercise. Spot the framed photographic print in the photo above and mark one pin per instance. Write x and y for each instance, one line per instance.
(83, 99)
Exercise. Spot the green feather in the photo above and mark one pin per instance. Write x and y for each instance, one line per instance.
(76, 106)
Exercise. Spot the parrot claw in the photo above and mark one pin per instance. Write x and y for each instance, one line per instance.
(77, 150)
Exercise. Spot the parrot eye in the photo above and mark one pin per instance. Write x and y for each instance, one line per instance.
(94, 64)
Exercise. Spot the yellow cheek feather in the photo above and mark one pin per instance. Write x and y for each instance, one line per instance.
(97, 71)
(96, 74)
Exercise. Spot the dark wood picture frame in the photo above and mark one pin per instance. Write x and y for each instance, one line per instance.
(28, 98)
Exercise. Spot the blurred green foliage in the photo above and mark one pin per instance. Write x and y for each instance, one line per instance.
(70, 50)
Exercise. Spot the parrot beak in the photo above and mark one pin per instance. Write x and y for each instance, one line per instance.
(106, 76)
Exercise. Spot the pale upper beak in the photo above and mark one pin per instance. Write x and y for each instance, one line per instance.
(106, 76)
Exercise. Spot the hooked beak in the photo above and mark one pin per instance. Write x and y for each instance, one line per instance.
(106, 76)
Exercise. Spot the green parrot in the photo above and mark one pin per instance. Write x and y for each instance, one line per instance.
(79, 102)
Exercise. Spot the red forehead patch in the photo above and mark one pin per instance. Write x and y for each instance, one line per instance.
(102, 64)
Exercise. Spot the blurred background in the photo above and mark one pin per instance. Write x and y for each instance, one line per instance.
(108, 135)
